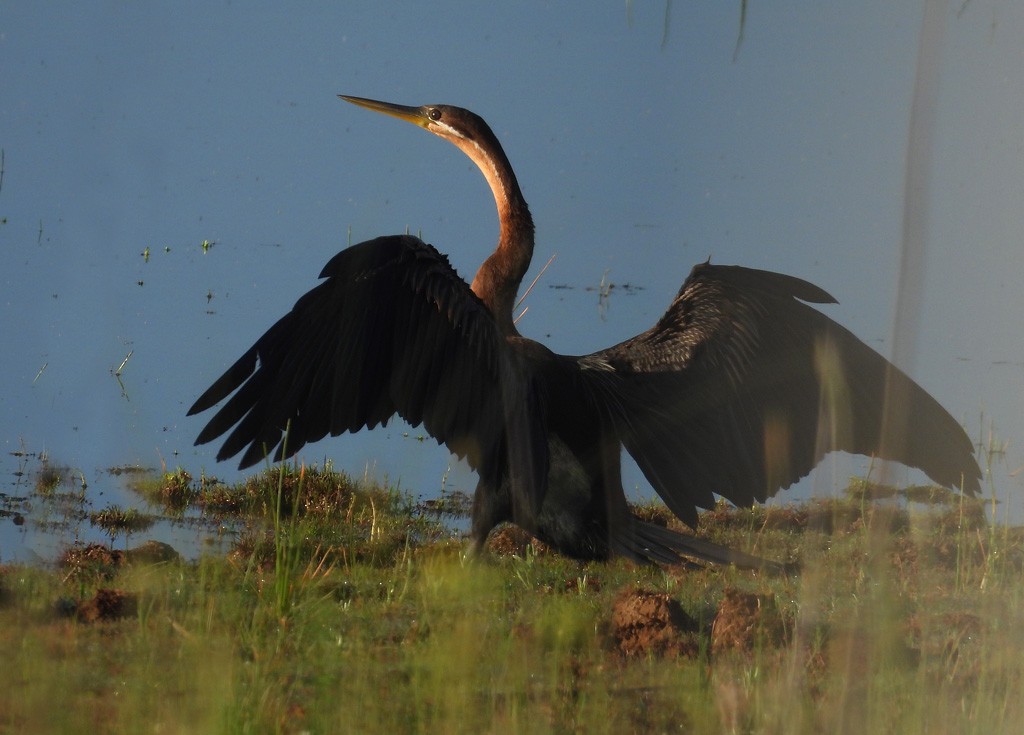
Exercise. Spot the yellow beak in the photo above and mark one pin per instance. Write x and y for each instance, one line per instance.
(415, 115)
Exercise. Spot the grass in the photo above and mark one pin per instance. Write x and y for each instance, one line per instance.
(116, 520)
(345, 608)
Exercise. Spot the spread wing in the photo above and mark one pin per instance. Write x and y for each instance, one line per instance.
(741, 388)
(392, 329)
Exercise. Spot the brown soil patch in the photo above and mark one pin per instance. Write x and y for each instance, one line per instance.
(152, 552)
(107, 604)
(745, 619)
(651, 623)
(97, 561)
(92, 561)
(510, 540)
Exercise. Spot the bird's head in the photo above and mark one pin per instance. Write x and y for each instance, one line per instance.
(463, 128)
(454, 124)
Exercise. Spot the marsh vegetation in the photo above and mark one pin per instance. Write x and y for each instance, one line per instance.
(349, 607)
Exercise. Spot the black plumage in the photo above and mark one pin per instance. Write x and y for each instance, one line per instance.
(739, 390)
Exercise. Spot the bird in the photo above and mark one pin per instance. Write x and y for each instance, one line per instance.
(738, 391)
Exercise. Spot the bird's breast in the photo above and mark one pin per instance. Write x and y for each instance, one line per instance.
(566, 517)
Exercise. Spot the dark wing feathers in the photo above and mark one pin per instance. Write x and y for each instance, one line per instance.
(392, 329)
(740, 389)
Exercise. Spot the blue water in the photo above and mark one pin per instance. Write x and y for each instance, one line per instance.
(642, 147)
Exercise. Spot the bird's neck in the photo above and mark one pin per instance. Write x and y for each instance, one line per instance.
(498, 280)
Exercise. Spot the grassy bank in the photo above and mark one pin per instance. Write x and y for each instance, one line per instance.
(349, 609)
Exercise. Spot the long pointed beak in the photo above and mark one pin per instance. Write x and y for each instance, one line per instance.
(415, 115)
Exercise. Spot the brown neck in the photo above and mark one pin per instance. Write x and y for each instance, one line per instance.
(498, 280)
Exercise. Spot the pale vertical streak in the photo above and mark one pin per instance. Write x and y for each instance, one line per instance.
(916, 192)
(877, 614)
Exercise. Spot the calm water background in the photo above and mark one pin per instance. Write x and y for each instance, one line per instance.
(644, 140)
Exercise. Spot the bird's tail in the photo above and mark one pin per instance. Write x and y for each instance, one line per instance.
(647, 542)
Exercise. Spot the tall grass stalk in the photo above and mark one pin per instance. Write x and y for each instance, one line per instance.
(287, 541)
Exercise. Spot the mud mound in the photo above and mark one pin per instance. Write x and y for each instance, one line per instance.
(745, 619)
(107, 604)
(651, 623)
(152, 552)
(510, 540)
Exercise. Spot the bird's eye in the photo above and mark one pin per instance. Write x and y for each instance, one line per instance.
(434, 114)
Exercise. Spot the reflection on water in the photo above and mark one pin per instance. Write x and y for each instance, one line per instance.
(54, 507)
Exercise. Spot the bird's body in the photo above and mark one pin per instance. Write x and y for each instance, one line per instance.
(738, 390)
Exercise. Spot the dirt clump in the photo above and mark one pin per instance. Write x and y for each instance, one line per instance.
(152, 552)
(510, 540)
(107, 604)
(652, 623)
(99, 562)
(90, 562)
(745, 620)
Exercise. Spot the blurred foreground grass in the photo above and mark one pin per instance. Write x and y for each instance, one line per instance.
(346, 608)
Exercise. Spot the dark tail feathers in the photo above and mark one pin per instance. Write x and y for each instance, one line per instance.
(646, 542)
